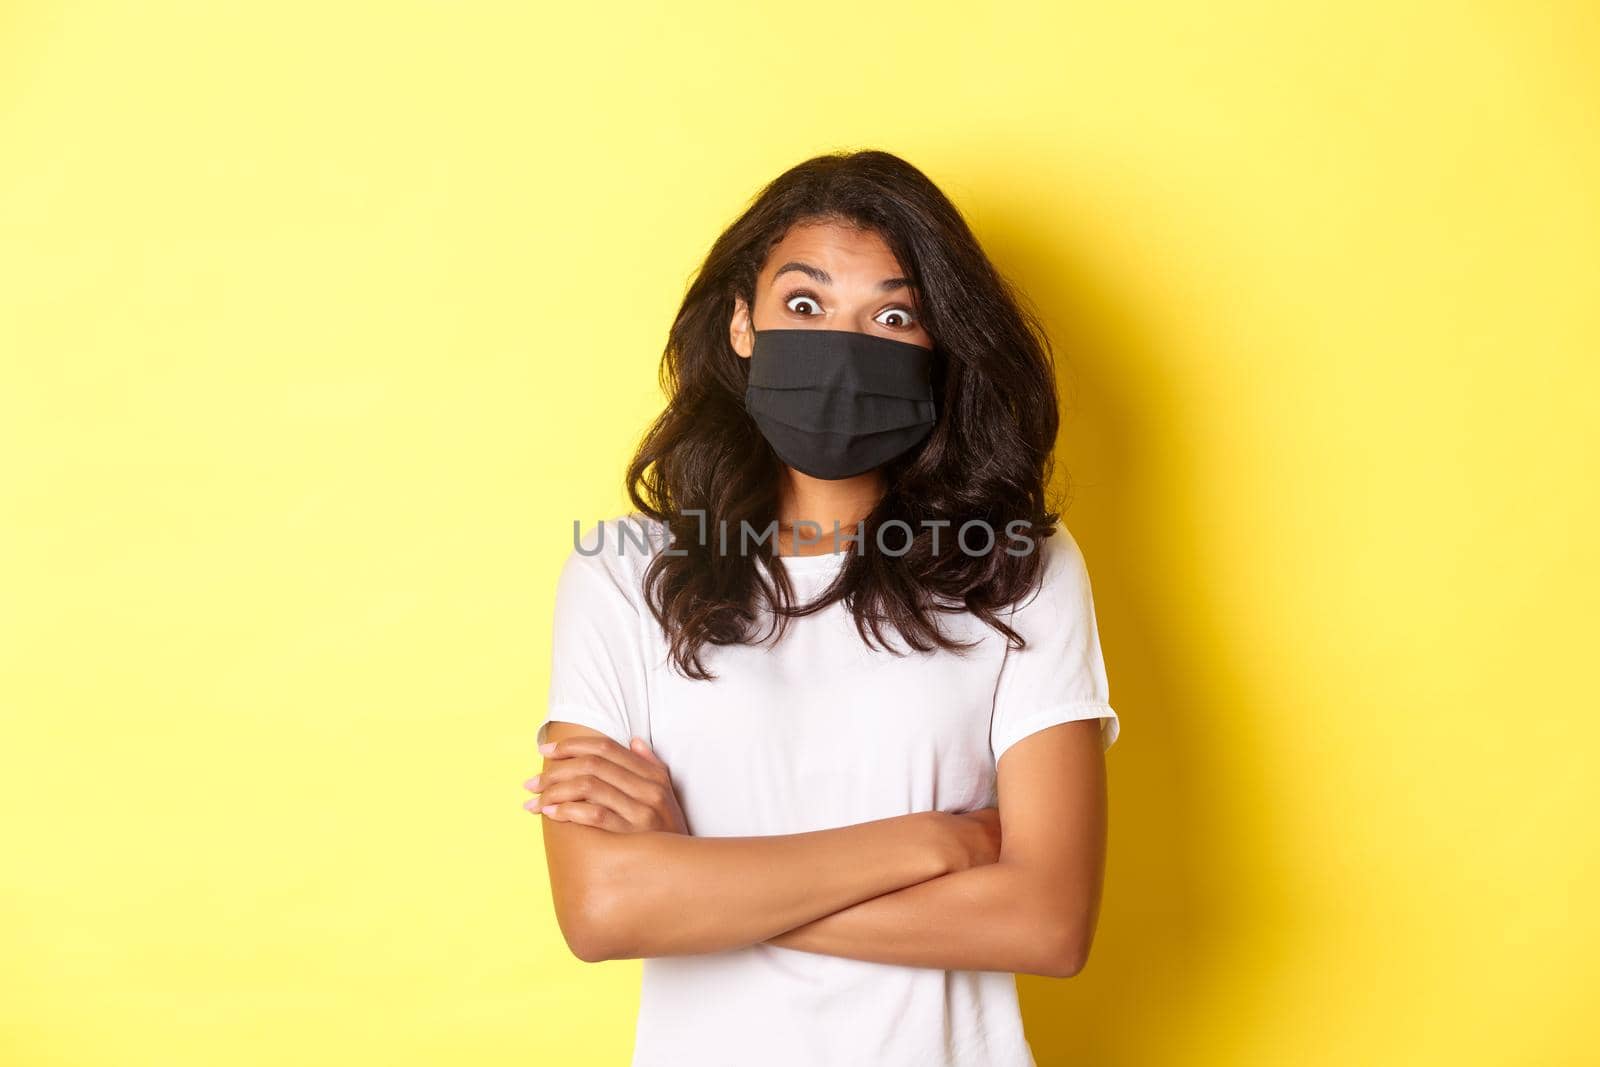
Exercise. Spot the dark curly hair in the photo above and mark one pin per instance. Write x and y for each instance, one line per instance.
(987, 458)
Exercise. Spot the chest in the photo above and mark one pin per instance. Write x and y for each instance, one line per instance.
(817, 729)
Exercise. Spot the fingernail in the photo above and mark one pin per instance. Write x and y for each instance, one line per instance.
(532, 805)
(547, 749)
(549, 809)
(532, 784)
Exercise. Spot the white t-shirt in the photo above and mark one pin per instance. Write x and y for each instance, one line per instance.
(820, 731)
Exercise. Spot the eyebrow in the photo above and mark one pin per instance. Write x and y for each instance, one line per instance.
(822, 277)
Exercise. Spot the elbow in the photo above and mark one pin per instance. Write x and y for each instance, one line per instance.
(1068, 961)
(589, 943)
(597, 896)
(1063, 950)
(595, 928)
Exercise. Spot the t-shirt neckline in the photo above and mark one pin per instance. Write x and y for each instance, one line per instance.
(821, 561)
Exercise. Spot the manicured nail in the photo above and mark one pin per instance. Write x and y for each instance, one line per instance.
(532, 805)
(532, 784)
(549, 809)
(547, 749)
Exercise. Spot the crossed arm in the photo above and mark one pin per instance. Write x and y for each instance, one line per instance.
(1010, 889)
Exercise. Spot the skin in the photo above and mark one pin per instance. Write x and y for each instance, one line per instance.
(1015, 888)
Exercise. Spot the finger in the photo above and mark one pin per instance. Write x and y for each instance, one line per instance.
(584, 813)
(650, 791)
(603, 747)
(639, 745)
(595, 791)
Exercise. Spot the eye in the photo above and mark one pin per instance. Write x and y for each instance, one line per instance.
(904, 314)
(802, 298)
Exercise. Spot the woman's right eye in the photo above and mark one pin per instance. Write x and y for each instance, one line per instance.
(798, 301)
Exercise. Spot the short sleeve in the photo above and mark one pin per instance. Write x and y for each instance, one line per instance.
(597, 655)
(1061, 675)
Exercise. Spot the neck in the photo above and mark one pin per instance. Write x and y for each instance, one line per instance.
(802, 498)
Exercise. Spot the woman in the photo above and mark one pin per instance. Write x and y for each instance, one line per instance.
(827, 719)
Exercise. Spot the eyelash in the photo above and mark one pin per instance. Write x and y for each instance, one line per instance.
(809, 295)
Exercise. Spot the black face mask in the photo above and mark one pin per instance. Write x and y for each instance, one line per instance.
(836, 403)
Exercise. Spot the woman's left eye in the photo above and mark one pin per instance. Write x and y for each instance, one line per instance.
(905, 317)
(802, 299)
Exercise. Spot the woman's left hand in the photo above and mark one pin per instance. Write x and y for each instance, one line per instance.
(597, 782)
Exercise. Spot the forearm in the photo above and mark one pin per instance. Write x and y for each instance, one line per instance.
(662, 894)
(998, 917)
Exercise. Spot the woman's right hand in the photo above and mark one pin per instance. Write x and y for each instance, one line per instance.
(976, 835)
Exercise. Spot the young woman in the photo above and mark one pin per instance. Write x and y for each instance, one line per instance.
(827, 718)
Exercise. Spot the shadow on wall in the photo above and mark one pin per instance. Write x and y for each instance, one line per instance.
(1169, 937)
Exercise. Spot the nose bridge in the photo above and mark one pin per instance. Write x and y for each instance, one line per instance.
(855, 309)
(856, 298)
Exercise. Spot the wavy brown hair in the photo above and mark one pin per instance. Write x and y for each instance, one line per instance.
(988, 457)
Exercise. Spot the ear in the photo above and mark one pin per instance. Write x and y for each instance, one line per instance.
(741, 332)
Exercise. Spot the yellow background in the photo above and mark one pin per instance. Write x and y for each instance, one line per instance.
(322, 322)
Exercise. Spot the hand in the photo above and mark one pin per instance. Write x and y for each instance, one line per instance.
(977, 836)
(597, 782)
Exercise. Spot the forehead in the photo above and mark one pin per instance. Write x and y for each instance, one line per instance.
(838, 248)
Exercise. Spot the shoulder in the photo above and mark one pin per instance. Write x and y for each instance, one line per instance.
(1062, 578)
(613, 553)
